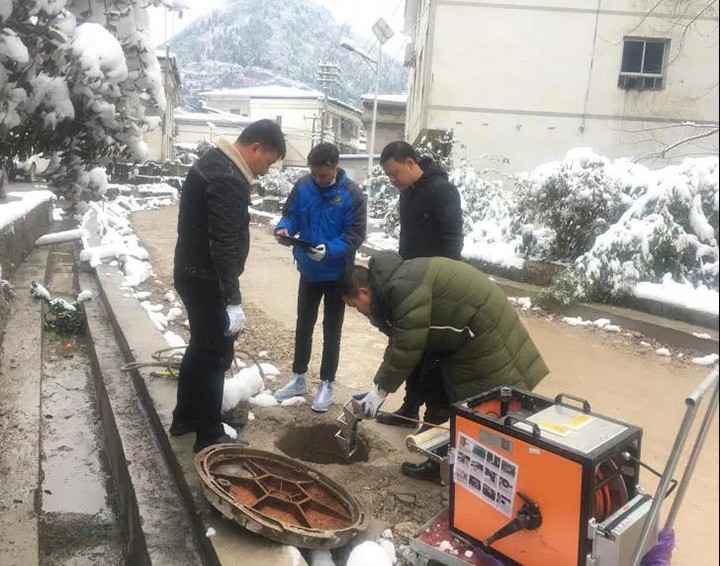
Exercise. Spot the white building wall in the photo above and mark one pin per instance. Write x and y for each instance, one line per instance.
(531, 79)
(299, 118)
(194, 133)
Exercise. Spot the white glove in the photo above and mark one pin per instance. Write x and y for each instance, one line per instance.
(371, 402)
(235, 320)
(318, 252)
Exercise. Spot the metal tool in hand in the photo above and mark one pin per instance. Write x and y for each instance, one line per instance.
(348, 423)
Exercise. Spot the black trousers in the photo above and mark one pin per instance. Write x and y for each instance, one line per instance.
(425, 386)
(207, 358)
(309, 295)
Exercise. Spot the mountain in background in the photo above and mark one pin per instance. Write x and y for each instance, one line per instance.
(259, 42)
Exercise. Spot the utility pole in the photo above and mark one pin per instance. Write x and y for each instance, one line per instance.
(326, 75)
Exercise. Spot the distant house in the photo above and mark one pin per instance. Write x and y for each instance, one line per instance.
(531, 80)
(300, 114)
(160, 141)
(193, 127)
(390, 118)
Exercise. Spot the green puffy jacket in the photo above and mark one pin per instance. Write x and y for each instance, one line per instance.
(441, 309)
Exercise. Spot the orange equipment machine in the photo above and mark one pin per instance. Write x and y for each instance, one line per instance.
(531, 476)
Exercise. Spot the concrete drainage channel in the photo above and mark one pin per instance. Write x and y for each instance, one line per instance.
(79, 519)
(105, 494)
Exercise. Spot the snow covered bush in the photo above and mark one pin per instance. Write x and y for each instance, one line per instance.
(670, 229)
(669, 233)
(76, 80)
(279, 182)
(561, 207)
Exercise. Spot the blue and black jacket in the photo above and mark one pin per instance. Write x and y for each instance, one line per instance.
(334, 216)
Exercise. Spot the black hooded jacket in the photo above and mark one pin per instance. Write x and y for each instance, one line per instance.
(431, 221)
(213, 223)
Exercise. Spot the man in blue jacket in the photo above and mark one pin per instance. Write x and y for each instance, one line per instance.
(328, 210)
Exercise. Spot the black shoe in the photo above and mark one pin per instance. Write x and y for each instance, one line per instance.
(179, 428)
(224, 439)
(393, 419)
(426, 471)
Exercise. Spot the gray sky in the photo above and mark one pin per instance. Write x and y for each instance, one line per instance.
(359, 15)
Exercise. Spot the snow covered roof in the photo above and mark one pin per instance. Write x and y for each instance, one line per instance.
(389, 99)
(276, 91)
(214, 117)
(268, 91)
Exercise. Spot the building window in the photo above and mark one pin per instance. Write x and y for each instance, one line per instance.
(643, 64)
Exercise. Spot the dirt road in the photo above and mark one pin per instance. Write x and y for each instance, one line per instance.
(613, 373)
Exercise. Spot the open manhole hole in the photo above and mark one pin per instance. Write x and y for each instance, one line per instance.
(317, 444)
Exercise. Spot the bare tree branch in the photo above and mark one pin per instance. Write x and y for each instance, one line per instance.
(688, 140)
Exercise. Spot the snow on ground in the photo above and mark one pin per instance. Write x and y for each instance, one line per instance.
(369, 553)
(684, 295)
(709, 360)
(173, 340)
(263, 400)
(380, 242)
(19, 204)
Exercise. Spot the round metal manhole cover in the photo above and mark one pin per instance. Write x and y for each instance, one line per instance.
(278, 497)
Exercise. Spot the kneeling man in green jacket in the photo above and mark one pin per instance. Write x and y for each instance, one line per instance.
(452, 318)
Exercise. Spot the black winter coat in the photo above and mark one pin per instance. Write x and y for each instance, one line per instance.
(431, 221)
(213, 223)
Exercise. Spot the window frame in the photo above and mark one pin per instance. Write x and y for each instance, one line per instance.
(662, 76)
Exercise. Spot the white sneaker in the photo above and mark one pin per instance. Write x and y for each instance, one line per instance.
(297, 387)
(323, 397)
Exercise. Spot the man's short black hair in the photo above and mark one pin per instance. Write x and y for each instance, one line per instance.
(400, 151)
(323, 154)
(267, 133)
(352, 279)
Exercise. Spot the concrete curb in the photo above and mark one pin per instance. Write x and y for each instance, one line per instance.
(678, 333)
(148, 492)
(138, 339)
(128, 319)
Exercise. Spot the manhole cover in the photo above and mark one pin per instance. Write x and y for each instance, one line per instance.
(279, 498)
(317, 444)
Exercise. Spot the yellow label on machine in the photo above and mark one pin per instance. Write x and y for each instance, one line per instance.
(577, 422)
(548, 426)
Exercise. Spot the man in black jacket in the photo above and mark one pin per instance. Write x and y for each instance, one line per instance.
(431, 224)
(212, 246)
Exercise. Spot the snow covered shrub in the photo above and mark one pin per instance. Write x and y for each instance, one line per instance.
(76, 80)
(486, 205)
(561, 207)
(671, 228)
(279, 182)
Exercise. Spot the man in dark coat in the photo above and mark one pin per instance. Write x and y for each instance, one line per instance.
(446, 313)
(431, 224)
(212, 246)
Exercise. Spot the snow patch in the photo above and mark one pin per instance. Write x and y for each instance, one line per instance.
(230, 431)
(241, 387)
(263, 400)
(293, 402)
(709, 360)
(663, 352)
(684, 295)
(369, 553)
(173, 340)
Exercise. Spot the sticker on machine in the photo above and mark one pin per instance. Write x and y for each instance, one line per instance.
(485, 474)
